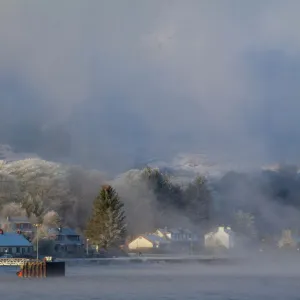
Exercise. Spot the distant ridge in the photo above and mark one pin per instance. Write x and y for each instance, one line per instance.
(8, 154)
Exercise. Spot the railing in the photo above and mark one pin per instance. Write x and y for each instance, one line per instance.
(19, 261)
(13, 261)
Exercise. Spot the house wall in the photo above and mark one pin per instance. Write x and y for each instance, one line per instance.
(13, 226)
(180, 237)
(17, 250)
(160, 234)
(140, 242)
(219, 238)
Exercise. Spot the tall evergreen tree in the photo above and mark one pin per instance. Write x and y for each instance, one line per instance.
(198, 200)
(106, 227)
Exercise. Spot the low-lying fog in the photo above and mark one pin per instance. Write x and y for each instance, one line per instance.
(265, 279)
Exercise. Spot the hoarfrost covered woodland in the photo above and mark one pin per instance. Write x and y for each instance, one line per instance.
(254, 204)
(35, 187)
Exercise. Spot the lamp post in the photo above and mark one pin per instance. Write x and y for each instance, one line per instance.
(191, 246)
(87, 247)
(37, 240)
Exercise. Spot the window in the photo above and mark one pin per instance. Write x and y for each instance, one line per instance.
(18, 250)
(59, 238)
(10, 250)
(73, 237)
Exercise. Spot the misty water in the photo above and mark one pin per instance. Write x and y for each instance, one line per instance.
(263, 280)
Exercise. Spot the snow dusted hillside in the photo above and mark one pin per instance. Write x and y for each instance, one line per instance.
(189, 165)
(186, 165)
(183, 165)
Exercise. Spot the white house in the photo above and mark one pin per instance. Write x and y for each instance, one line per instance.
(222, 237)
(148, 242)
(289, 240)
(14, 243)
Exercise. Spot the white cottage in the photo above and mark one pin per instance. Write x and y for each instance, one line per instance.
(14, 243)
(148, 242)
(222, 237)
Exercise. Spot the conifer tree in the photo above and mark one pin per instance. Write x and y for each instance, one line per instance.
(106, 227)
(198, 200)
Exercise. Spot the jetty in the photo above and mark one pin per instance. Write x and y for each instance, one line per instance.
(123, 260)
(146, 259)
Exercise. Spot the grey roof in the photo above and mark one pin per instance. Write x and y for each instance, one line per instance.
(11, 239)
(18, 220)
(66, 232)
(154, 238)
(63, 231)
(175, 231)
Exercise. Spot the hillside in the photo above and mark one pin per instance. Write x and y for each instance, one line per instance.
(172, 195)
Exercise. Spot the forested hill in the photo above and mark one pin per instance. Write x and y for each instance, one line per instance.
(253, 203)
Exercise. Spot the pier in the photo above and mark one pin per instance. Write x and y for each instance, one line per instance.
(147, 259)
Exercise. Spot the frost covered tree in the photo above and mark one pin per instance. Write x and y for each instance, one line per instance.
(52, 186)
(106, 227)
(52, 219)
(9, 189)
(12, 210)
(34, 207)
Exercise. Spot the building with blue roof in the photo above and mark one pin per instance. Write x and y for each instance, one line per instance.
(14, 243)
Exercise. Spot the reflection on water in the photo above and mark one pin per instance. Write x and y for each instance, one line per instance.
(158, 281)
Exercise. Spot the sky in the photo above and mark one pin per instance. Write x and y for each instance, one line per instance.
(110, 83)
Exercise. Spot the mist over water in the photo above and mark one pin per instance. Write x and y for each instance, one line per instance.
(269, 280)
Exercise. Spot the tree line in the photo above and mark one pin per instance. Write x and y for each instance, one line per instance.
(254, 204)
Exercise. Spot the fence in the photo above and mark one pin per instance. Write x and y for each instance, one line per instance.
(13, 261)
